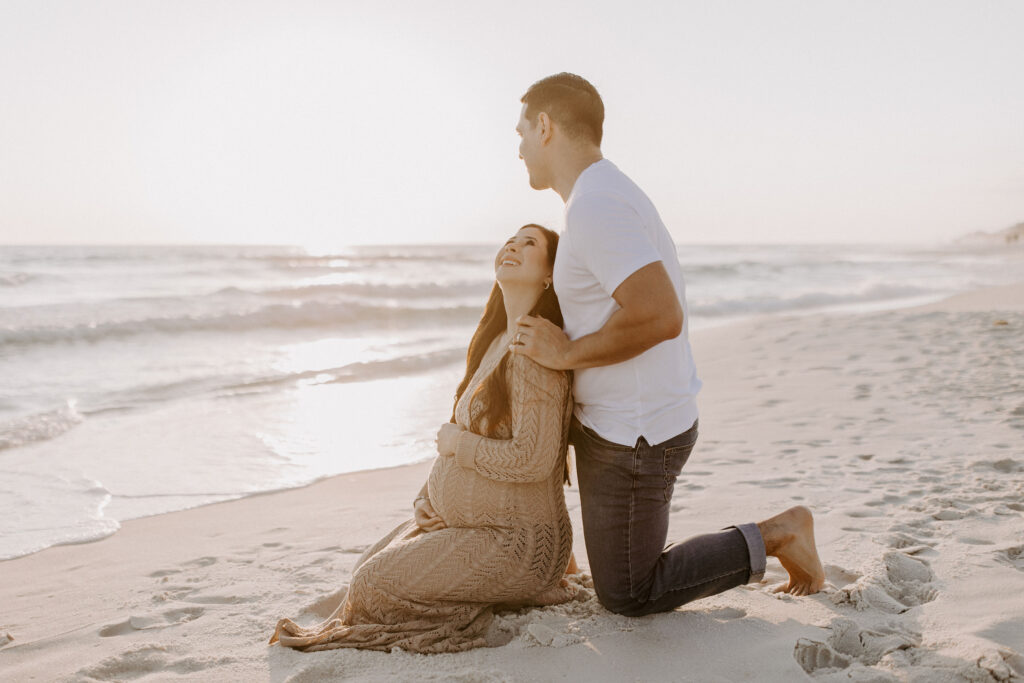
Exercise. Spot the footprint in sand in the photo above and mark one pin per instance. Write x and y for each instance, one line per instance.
(814, 656)
(1004, 465)
(220, 599)
(849, 643)
(911, 577)
(727, 613)
(911, 545)
(776, 483)
(148, 622)
(949, 515)
(163, 573)
(330, 549)
(886, 499)
(354, 550)
(148, 660)
(840, 576)
(971, 540)
(1008, 465)
(895, 584)
(918, 527)
(1013, 557)
(861, 513)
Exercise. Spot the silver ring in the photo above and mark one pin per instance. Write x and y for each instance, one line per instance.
(519, 336)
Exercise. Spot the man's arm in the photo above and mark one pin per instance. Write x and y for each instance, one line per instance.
(649, 313)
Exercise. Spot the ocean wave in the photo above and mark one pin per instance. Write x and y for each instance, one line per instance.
(357, 372)
(286, 257)
(64, 510)
(412, 290)
(124, 253)
(232, 385)
(40, 426)
(16, 279)
(410, 255)
(780, 304)
(308, 314)
(697, 271)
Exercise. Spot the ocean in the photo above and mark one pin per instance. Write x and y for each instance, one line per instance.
(139, 380)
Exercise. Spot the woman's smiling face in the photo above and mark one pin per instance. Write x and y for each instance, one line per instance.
(524, 259)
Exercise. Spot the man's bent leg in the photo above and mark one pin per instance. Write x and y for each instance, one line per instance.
(625, 495)
(604, 475)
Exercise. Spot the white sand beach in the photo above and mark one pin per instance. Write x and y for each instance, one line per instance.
(903, 431)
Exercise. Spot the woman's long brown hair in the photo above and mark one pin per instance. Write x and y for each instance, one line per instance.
(494, 389)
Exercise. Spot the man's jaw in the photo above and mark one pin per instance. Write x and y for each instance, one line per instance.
(538, 185)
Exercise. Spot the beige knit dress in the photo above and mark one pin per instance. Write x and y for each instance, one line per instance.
(508, 537)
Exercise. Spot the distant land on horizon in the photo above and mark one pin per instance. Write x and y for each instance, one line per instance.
(1011, 235)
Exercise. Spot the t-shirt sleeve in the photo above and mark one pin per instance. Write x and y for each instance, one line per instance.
(609, 237)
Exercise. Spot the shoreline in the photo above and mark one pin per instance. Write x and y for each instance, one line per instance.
(1003, 296)
(852, 418)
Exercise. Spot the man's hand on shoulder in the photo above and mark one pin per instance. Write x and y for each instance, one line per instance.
(542, 341)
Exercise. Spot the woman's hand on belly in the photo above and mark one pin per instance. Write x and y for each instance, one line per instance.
(426, 517)
(448, 438)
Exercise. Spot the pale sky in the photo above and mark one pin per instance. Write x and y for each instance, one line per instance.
(333, 123)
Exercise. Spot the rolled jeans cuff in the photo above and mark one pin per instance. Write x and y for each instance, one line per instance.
(755, 548)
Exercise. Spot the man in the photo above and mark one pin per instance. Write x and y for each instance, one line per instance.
(622, 294)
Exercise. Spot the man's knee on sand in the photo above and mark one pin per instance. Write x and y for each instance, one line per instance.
(620, 602)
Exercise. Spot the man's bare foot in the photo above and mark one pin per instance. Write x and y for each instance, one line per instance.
(789, 536)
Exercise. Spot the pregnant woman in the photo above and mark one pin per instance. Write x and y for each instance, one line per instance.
(490, 525)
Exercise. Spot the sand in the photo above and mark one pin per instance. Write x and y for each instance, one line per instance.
(903, 431)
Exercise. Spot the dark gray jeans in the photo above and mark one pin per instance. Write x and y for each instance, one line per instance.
(625, 492)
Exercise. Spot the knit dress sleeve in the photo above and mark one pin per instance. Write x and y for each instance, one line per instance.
(538, 405)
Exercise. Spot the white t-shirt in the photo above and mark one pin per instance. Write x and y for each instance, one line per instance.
(612, 230)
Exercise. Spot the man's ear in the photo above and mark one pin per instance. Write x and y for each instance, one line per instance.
(544, 123)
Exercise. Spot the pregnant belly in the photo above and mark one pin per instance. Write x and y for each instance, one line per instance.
(464, 498)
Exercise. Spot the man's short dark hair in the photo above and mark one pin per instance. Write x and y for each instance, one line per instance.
(571, 102)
